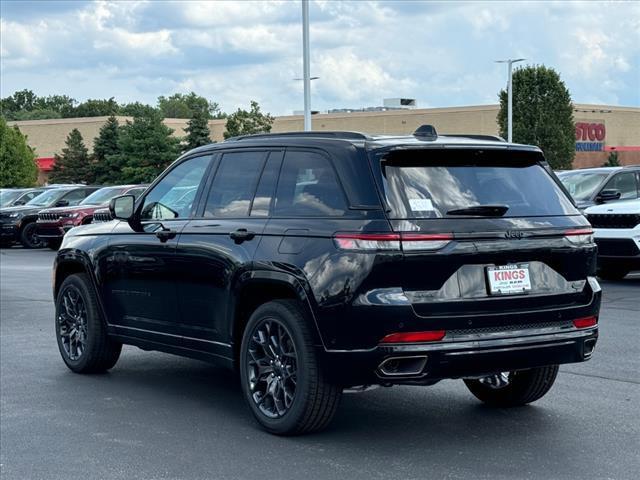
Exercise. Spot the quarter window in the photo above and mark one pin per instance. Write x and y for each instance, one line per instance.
(308, 187)
(174, 195)
(234, 184)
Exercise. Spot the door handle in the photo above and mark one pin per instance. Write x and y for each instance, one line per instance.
(165, 235)
(241, 234)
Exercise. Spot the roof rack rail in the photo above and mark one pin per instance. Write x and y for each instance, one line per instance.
(317, 134)
(474, 136)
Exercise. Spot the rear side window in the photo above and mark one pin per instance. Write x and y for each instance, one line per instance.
(308, 187)
(440, 184)
(234, 184)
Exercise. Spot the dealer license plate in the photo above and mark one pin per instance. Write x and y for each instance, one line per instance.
(508, 279)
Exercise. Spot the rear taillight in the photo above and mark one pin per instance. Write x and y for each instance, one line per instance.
(579, 236)
(585, 322)
(392, 241)
(367, 241)
(415, 337)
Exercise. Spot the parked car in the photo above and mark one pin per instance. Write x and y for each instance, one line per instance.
(11, 197)
(101, 215)
(617, 233)
(316, 261)
(53, 223)
(18, 224)
(593, 186)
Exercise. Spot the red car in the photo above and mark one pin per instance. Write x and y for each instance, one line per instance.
(53, 223)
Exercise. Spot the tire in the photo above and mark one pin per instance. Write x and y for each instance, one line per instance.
(314, 401)
(613, 272)
(82, 320)
(525, 386)
(54, 244)
(28, 237)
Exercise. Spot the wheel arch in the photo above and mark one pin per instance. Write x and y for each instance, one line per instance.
(258, 288)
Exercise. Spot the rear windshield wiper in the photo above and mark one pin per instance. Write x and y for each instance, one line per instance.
(481, 210)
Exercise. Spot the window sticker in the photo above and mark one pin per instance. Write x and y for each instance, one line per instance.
(421, 204)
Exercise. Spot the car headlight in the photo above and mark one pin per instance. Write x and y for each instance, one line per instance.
(75, 215)
(15, 215)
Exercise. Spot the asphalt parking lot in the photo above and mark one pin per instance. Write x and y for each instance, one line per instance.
(156, 416)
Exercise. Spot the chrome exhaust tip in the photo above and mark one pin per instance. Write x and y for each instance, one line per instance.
(402, 366)
(589, 347)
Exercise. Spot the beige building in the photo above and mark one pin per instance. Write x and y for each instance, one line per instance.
(599, 128)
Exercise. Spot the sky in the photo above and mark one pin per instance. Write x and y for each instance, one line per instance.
(440, 53)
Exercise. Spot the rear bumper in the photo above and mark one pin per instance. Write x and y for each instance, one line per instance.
(435, 361)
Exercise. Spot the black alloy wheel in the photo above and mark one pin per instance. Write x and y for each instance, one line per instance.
(83, 341)
(72, 323)
(29, 238)
(272, 365)
(282, 378)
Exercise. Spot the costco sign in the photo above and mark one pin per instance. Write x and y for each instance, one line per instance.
(590, 136)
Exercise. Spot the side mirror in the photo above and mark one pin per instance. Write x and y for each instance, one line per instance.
(19, 202)
(607, 196)
(122, 207)
(62, 203)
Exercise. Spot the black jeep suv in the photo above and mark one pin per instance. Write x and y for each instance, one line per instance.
(314, 262)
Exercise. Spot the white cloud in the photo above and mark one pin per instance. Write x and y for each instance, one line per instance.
(441, 53)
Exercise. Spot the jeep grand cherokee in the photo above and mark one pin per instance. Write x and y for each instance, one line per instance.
(312, 262)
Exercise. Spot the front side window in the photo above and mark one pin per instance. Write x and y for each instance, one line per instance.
(75, 197)
(234, 184)
(625, 183)
(308, 187)
(173, 196)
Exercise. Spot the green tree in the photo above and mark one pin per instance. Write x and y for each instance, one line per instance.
(73, 165)
(612, 160)
(62, 104)
(197, 131)
(97, 108)
(181, 105)
(146, 149)
(244, 122)
(37, 114)
(105, 148)
(542, 114)
(17, 160)
(26, 105)
(137, 109)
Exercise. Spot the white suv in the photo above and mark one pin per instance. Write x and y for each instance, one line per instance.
(616, 228)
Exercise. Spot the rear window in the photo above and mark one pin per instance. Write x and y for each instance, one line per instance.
(439, 184)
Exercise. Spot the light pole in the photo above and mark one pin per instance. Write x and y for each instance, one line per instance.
(510, 61)
(306, 66)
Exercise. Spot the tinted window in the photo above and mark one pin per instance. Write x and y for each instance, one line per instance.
(308, 187)
(234, 184)
(625, 183)
(75, 197)
(173, 196)
(266, 188)
(421, 188)
(136, 192)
